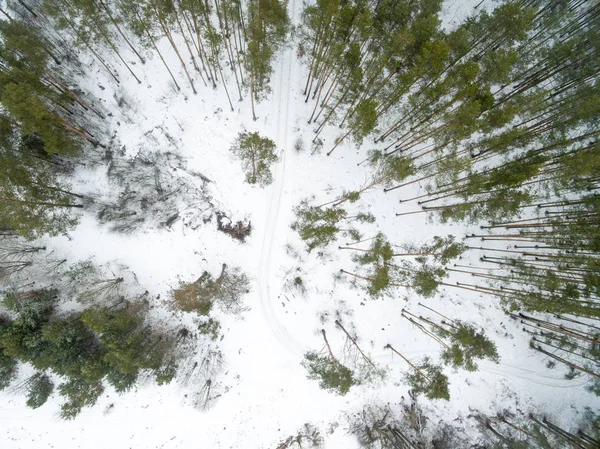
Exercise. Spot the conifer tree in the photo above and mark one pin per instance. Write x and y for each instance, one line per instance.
(318, 227)
(330, 373)
(267, 27)
(257, 154)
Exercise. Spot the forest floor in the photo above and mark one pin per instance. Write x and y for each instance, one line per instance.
(263, 393)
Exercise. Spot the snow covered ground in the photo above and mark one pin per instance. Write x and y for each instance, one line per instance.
(265, 395)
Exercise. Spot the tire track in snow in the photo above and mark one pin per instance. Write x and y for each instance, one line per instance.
(282, 123)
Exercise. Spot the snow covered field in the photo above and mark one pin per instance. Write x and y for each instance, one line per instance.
(264, 393)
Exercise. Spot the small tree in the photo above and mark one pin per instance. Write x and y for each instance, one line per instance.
(430, 380)
(467, 345)
(426, 280)
(257, 154)
(318, 227)
(79, 394)
(444, 249)
(39, 389)
(8, 369)
(331, 374)
(427, 378)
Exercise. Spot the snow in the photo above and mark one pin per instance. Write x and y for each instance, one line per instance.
(266, 396)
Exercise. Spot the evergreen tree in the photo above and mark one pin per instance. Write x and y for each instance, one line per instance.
(34, 200)
(430, 380)
(39, 389)
(257, 154)
(331, 374)
(318, 227)
(467, 344)
(267, 27)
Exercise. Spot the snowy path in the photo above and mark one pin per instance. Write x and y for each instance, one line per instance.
(282, 123)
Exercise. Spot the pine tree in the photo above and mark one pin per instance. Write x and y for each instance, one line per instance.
(316, 226)
(34, 200)
(257, 154)
(467, 344)
(331, 374)
(267, 27)
(39, 389)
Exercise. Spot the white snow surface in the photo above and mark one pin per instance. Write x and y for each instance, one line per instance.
(265, 395)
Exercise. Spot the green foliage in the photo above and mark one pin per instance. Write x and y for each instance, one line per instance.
(166, 373)
(267, 26)
(8, 368)
(332, 375)
(317, 226)
(433, 382)
(426, 280)
(83, 348)
(130, 345)
(79, 393)
(354, 234)
(380, 252)
(33, 199)
(467, 344)
(379, 281)
(35, 117)
(377, 257)
(211, 328)
(445, 249)
(365, 217)
(364, 120)
(392, 168)
(594, 386)
(257, 154)
(80, 270)
(121, 382)
(39, 389)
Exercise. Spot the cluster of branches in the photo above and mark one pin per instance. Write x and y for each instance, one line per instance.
(462, 342)
(495, 85)
(499, 85)
(550, 274)
(333, 375)
(383, 427)
(154, 189)
(409, 427)
(308, 437)
(44, 119)
(533, 432)
(25, 265)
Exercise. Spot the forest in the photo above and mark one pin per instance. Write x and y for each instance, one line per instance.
(360, 209)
